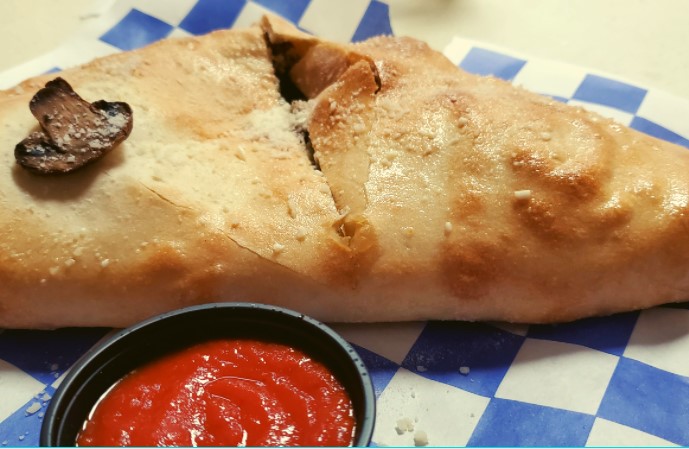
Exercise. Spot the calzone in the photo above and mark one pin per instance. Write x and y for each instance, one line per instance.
(363, 182)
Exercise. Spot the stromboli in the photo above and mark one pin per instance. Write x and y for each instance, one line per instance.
(421, 210)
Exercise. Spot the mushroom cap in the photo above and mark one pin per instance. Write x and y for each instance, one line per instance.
(74, 132)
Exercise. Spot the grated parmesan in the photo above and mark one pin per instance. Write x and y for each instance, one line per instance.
(300, 235)
(33, 408)
(522, 194)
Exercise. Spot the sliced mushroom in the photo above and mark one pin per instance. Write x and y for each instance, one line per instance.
(74, 132)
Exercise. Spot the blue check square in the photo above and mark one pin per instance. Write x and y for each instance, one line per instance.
(45, 354)
(291, 10)
(515, 423)
(485, 62)
(613, 93)
(379, 368)
(19, 430)
(136, 30)
(648, 399)
(376, 22)
(608, 334)
(445, 350)
(655, 130)
(209, 15)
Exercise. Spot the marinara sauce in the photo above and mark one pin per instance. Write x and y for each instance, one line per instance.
(224, 393)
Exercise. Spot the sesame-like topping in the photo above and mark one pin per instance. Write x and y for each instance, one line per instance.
(522, 194)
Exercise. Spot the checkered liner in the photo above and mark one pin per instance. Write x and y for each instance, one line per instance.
(620, 380)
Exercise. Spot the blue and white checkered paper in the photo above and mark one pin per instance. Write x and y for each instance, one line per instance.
(620, 380)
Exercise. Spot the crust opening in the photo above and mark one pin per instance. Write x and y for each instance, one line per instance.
(305, 67)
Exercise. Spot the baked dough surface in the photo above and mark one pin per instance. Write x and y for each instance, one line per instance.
(440, 195)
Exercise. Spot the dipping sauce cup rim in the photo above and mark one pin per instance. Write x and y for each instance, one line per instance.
(290, 328)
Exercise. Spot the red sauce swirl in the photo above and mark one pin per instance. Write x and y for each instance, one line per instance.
(224, 393)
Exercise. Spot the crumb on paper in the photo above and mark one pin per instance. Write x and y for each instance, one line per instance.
(33, 408)
(464, 370)
(420, 438)
(404, 425)
(421, 368)
(46, 397)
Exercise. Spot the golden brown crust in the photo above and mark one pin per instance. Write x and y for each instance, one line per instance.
(489, 202)
(442, 195)
(211, 198)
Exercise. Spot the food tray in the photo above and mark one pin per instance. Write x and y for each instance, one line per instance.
(620, 380)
